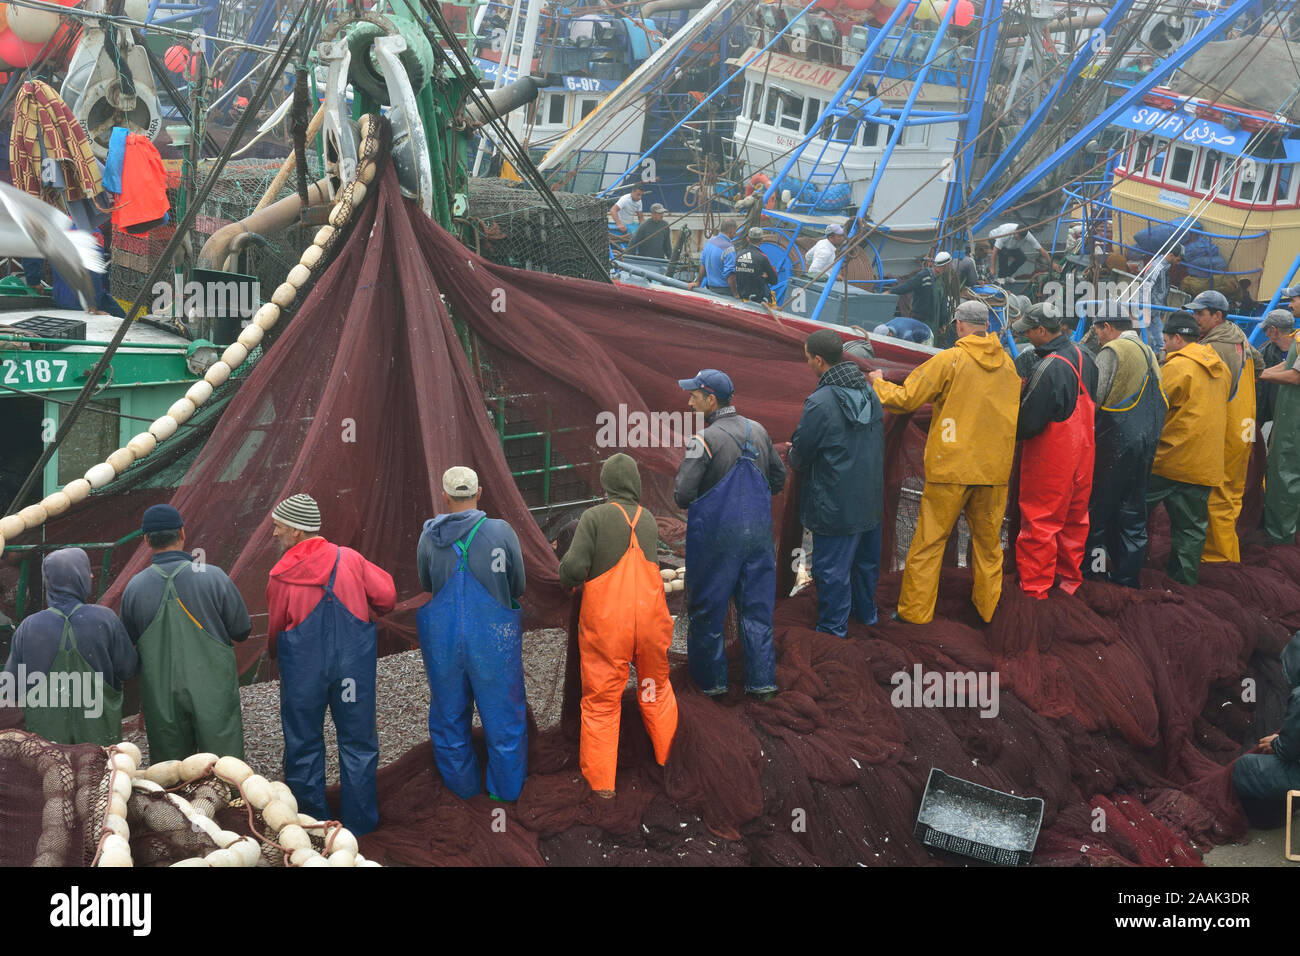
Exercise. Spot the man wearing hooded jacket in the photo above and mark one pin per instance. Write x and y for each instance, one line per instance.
(1189, 459)
(839, 448)
(71, 637)
(319, 602)
(1056, 459)
(975, 391)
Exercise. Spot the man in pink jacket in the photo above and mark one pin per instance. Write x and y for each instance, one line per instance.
(319, 602)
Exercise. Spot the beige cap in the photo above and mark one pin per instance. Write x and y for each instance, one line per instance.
(975, 313)
(460, 482)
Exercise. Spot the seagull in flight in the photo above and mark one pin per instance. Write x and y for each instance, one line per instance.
(31, 228)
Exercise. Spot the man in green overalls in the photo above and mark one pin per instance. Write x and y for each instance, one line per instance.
(183, 615)
(1282, 477)
(67, 663)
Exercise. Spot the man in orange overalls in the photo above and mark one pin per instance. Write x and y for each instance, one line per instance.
(624, 620)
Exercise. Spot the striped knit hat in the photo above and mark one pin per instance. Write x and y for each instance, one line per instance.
(298, 511)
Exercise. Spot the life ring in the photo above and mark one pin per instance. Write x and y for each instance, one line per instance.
(760, 180)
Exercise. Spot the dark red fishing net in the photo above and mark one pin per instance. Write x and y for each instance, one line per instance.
(1120, 709)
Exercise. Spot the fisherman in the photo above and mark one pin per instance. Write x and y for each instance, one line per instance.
(183, 615)
(755, 274)
(839, 448)
(624, 619)
(929, 294)
(909, 330)
(823, 253)
(627, 209)
(319, 600)
(718, 261)
(1012, 251)
(1282, 475)
(471, 639)
(653, 238)
(1262, 780)
(1056, 459)
(82, 651)
(1189, 459)
(1279, 329)
(1131, 411)
(726, 482)
(968, 455)
(1210, 310)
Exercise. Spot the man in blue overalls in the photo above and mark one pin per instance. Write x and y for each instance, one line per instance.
(319, 601)
(727, 480)
(471, 637)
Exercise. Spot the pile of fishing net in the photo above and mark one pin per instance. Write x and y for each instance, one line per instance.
(97, 806)
(1120, 709)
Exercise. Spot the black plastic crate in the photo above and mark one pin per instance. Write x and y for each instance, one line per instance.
(962, 817)
(50, 327)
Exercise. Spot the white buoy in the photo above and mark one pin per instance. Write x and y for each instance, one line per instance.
(11, 526)
(217, 374)
(234, 354)
(121, 460)
(199, 392)
(56, 503)
(298, 276)
(284, 295)
(163, 428)
(251, 337)
(78, 490)
(311, 256)
(182, 410)
(33, 516)
(30, 25)
(100, 475)
(142, 444)
(323, 235)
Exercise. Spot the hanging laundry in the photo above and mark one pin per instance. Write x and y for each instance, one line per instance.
(143, 201)
(44, 125)
(116, 154)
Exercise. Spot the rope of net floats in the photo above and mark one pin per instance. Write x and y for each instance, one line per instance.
(287, 834)
(311, 263)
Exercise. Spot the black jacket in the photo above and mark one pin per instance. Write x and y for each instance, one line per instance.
(1053, 388)
(1287, 744)
(652, 239)
(713, 452)
(1266, 392)
(839, 447)
(755, 275)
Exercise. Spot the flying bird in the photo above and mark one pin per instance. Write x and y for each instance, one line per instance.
(31, 228)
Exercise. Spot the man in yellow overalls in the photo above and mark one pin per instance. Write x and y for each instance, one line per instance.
(1210, 309)
(975, 390)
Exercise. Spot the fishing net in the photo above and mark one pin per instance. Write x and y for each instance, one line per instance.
(1121, 709)
(513, 227)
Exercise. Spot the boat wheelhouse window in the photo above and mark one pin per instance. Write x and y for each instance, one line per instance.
(755, 102)
(1141, 152)
(1158, 159)
(1209, 171)
(915, 136)
(870, 134)
(814, 111)
(1182, 163)
(555, 109)
(792, 110)
(769, 112)
(587, 107)
(1255, 184)
(1286, 185)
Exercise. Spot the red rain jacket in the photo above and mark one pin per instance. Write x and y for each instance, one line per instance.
(297, 584)
(143, 201)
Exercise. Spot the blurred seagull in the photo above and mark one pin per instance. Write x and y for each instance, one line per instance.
(31, 228)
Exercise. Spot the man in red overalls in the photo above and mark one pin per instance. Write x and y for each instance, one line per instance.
(1056, 459)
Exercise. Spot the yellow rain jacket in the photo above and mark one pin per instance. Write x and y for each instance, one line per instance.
(1196, 383)
(1231, 345)
(976, 394)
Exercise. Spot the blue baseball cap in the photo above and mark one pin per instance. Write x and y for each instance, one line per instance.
(710, 380)
(161, 518)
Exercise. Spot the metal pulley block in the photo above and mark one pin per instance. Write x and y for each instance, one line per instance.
(95, 92)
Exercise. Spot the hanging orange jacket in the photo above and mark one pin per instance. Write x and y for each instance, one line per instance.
(624, 619)
(143, 202)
